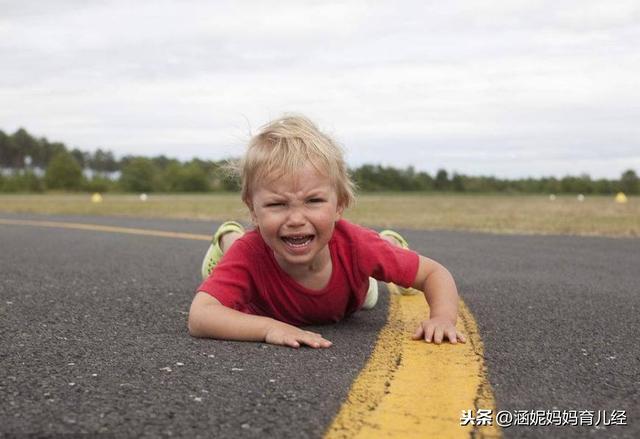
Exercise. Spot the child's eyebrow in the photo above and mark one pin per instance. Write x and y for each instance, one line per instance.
(323, 190)
(275, 196)
(272, 193)
(311, 193)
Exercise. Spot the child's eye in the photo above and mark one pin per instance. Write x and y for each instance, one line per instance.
(275, 204)
(316, 200)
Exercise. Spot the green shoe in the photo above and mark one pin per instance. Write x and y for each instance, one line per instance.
(214, 252)
(404, 244)
(395, 235)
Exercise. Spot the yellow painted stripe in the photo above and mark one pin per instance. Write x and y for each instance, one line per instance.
(408, 389)
(110, 229)
(413, 389)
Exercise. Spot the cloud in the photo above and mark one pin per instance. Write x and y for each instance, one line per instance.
(491, 88)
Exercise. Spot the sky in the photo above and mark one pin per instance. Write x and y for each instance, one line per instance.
(505, 88)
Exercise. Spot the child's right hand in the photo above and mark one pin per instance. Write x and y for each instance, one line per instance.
(283, 334)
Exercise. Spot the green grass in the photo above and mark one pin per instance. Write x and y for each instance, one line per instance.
(597, 215)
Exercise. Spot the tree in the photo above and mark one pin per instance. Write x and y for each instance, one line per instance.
(51, 149)
(171, 177)
(442, 180)
(457, 182)
(629, 182)
(163, 161)
(194, 178)
(26, 146)
(424, 181)
(81, 157)
(21, 181)
(99, 184)
(189, 177)
(364, 177)
(5, 150)
(138, 175)
(103, 162)
(582, 184)
(63, 172)
(10, 154)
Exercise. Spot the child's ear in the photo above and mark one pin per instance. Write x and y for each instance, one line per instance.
(339, 212)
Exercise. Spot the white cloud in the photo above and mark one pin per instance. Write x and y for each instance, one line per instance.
(512, 88)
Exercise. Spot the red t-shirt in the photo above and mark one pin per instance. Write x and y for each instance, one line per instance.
(249, 279)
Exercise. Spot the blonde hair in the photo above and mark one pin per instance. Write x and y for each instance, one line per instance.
(283, 146)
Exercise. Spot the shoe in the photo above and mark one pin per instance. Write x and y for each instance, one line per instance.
(371, 298)
(404, 244)
(214, 252)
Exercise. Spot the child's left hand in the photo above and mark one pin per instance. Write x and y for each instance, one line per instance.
(436, 329)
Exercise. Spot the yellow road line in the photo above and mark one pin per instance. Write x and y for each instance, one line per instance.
(413, 389)
(407, 389)
(111, 229)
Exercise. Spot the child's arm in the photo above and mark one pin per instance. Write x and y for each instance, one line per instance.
(209, 318)
(442, 296)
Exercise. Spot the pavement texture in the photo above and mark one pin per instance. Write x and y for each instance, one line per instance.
(94, 339)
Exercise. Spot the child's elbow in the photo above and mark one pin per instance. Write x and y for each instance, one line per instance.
(192, 326)
(201, 314)
(194, 323)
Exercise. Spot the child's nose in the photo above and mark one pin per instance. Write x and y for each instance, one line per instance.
(296, 217)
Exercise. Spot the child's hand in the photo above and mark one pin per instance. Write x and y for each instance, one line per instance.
(438, 328)
(287, 335)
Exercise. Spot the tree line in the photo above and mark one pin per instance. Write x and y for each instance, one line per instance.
(31, 164)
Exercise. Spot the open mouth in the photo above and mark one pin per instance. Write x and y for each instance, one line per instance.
(298, 241)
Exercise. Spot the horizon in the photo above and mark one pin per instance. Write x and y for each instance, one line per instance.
(450, 172)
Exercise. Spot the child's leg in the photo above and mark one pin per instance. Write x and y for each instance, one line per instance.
(392, 240)
(371, 298)
(228, 239)
(372, 294)
(398, 240)
(224, 237)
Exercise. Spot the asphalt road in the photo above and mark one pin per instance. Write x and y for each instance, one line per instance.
(94, 340)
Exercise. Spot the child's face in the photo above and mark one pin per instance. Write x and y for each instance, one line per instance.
(296, 216)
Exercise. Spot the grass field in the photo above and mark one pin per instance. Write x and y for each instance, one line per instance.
(596, 215)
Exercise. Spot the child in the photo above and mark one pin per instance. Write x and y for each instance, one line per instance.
(303, 264)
